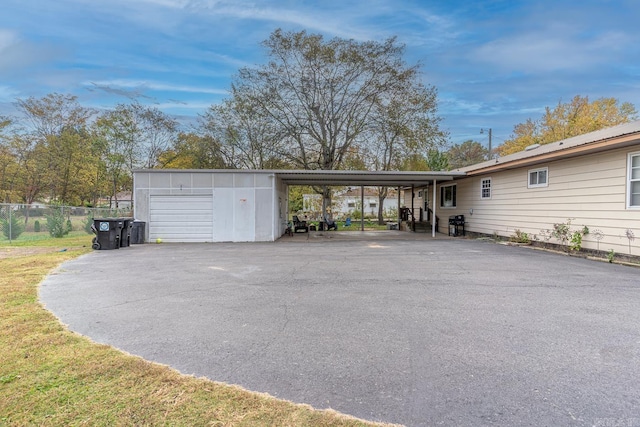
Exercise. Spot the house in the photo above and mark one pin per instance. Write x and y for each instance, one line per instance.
(344, 203)
(592, 179)
(122, 200)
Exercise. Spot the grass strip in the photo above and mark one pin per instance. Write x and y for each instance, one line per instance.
(51, 376)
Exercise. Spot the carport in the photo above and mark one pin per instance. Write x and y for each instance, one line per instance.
(245, 205)
(398, 179)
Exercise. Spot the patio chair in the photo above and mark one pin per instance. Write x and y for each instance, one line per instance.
(331, 224)
(299, 225)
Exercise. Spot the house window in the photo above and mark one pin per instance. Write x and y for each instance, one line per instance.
(351, 204)
(448, 196)
(373, 205)
(633, 188)
(485, 188)
(538, 177)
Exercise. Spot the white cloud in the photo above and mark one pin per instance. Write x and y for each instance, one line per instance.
(7, 39)
(17, 54)
(554, 47)
(141, 85)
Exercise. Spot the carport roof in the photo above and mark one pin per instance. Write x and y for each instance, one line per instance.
(369, 178)
(337, 177)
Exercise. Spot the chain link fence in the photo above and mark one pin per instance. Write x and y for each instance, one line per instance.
(20, 222)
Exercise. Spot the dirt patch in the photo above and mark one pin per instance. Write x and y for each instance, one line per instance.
(17, 252)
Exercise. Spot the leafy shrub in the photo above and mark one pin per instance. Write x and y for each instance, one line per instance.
(36, 226)
(87, 224)
(13, 228)
(570, 239)
(576, 238)
(57, 224)
(520, 237)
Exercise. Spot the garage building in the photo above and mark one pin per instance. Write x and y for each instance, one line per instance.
(240, 205)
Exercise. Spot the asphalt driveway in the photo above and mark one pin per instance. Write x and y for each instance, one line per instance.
(420, 332)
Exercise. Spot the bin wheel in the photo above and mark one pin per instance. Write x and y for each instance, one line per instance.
(96, 246)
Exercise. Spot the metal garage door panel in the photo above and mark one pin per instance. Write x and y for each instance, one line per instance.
(178, 218)
(223, 214)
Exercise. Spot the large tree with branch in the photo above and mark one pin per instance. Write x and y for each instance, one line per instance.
(320, 95)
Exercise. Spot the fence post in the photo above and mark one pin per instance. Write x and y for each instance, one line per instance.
(10, 221)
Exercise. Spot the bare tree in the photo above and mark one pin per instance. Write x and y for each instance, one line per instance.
(321, 94)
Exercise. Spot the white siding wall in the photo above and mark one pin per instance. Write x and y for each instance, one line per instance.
(243, 207)
(589, 189)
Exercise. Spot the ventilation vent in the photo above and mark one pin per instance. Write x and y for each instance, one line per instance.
(532, 147)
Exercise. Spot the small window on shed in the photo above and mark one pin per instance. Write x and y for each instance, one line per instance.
(485, 188)
(538, 177)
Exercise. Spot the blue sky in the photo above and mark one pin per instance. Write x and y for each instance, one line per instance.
(494, 63)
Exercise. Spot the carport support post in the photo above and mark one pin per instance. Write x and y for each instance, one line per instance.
(399, 216)
(362, 208)
(413, 218)
(433, 216)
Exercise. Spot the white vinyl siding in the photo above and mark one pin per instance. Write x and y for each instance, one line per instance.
(633, 186)
(590, 189)
(538, 178)
(211, 206)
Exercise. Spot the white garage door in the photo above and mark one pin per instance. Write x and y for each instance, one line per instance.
(181, 218)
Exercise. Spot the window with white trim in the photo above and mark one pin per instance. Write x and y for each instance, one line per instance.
(538, 178)
(633, 186)
(448, 196)
(485, 188)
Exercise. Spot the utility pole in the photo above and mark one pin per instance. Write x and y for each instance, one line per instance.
(489, 131)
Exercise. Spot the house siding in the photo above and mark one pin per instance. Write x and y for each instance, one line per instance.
(591, 190)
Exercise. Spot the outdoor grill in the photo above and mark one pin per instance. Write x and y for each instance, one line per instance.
(456, 222)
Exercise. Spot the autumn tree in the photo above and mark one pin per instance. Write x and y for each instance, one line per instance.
(193, 151)
(115, 135)
(246, 136)
(52, 148)
(8, 162)
(466, 154)
(403, 123)
(155, 132)
(131, 136)
(577, 117)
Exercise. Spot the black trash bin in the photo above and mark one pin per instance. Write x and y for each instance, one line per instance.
(137, 232)
(108, 232)
(125, 233)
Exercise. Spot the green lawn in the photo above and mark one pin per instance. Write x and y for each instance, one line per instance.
(52, 377)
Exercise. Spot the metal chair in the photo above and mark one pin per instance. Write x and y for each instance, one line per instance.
(299, 224)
